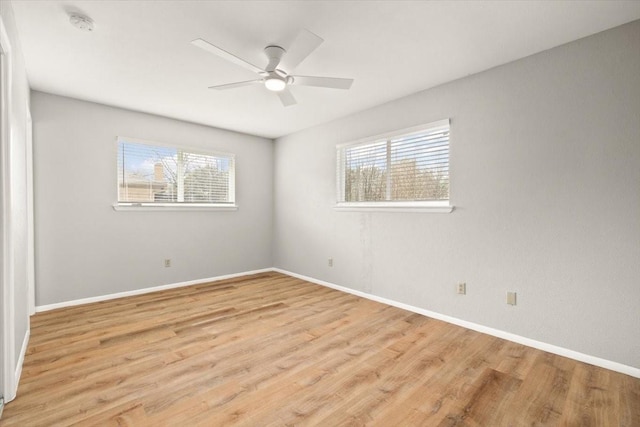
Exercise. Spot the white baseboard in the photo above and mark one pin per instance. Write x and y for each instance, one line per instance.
(47, 307)
(550, 348)
(18, 372)
(23, 352)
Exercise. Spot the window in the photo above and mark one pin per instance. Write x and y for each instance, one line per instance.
(406, 169)
(151, 174)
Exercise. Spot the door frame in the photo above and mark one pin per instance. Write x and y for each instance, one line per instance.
(7, 329)
(31, 280)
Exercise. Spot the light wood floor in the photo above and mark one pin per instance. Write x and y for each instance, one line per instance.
(270, 349)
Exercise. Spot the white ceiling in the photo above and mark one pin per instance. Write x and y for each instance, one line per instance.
(139, 56)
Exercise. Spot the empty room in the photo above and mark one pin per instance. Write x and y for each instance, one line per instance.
(323, 213)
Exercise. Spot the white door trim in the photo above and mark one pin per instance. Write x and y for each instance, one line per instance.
(7, 275)
(31, 281)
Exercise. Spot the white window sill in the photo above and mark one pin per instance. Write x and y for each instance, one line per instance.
(171, 207)
(393, 207)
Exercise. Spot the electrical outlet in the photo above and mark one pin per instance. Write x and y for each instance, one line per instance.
(462, 288)
(511, 298)
(167, 263)
(330, 262)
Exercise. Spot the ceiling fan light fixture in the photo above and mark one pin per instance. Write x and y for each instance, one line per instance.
(275, 76)
(275, 84)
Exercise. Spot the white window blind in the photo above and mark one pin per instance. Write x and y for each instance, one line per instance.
(408, 166)
(150, 174)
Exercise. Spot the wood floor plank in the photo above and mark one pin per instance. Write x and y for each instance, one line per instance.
(487, 400)
(130, 414)
(270, 349)
(543, 397)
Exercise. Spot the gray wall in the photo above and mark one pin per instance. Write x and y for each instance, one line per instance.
(17, 234)
(545, 163)
(85, 249)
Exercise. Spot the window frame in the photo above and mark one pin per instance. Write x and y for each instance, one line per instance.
(175, 206)
(434, 206)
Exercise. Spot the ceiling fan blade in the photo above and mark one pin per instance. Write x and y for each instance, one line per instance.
(330, 82)
(286, 97)
(304, 43)
(202, 44)
(234, 85)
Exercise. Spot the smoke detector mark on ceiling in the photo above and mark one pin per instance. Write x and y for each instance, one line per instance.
(81, 22)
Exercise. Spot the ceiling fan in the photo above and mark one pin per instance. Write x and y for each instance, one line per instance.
(276, 76)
